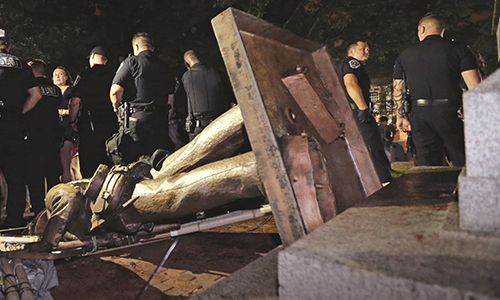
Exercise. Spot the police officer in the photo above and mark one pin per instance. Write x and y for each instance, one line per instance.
(356, 84)
(143, 94)
(90, 107)
(19, 93)
(431, 71)
(206, 93)
(42, 125)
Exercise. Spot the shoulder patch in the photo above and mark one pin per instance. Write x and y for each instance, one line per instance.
(354, 64)
(120, 67)
(10, 62)
(50, 90)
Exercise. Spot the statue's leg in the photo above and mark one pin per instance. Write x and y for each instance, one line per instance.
(205, 187)
(218, 140)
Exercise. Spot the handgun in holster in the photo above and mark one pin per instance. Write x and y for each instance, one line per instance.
(124, 114)
(190, 124)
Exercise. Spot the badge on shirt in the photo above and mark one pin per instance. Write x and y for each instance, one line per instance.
(354, 64)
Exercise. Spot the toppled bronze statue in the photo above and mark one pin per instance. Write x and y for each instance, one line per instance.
(128, 199)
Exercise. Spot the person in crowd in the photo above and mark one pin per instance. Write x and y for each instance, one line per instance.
(19, 93)
(42, 125)
(90, 108)
(430, 70)
(356, 84)
(206, 93)
(69, 148)
(143, 95)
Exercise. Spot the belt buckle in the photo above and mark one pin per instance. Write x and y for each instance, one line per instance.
(423, 102)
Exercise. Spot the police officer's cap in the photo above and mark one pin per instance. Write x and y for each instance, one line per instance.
(98, 50)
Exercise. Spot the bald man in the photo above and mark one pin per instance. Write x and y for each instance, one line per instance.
(431, 71)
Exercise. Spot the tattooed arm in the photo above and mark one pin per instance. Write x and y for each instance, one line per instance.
(398, 95)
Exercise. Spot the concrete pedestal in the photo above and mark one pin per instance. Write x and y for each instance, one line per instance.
(410, 252)
(479, 184)
(479, 203)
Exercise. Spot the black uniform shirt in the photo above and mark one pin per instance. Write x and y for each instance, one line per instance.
(44, 116)
(205, 90)
(92, 87)
(145, 78)
(351, 65)
(16, 78)
(432, 68)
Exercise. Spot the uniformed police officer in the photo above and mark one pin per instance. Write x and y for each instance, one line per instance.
(356, 84)
(142, 93)
(91, 109)
(206, 92)
(19, 93)
(430, 70)
(42, 125)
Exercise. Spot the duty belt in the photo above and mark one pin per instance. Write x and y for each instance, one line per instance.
(146, 108)
(433, 102)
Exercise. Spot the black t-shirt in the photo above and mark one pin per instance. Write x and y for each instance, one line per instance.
(351, 65)
(92, 87)
(205, 90)
(16, 78)
(432, 68)
(44, 116)
(145, 79)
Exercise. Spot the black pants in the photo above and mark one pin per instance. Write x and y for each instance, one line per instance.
(433, 128)
(92, 147)
(373, 140)
(12, 163)
(44, 163)
(147, 132)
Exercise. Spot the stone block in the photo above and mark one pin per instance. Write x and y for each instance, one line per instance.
(479, 202)
(394, 252)
(482, 120)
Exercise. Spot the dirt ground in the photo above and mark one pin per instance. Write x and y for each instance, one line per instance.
(198, 261)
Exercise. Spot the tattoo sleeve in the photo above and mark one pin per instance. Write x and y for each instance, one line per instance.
(398, 95)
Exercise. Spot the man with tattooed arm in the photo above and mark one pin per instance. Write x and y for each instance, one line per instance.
(430, 72)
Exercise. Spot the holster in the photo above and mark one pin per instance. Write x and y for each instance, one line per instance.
(124, 114)
(110, 192)
(189, 124)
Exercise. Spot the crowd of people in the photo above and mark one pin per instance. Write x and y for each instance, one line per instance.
(115, 118)
(63, 130)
